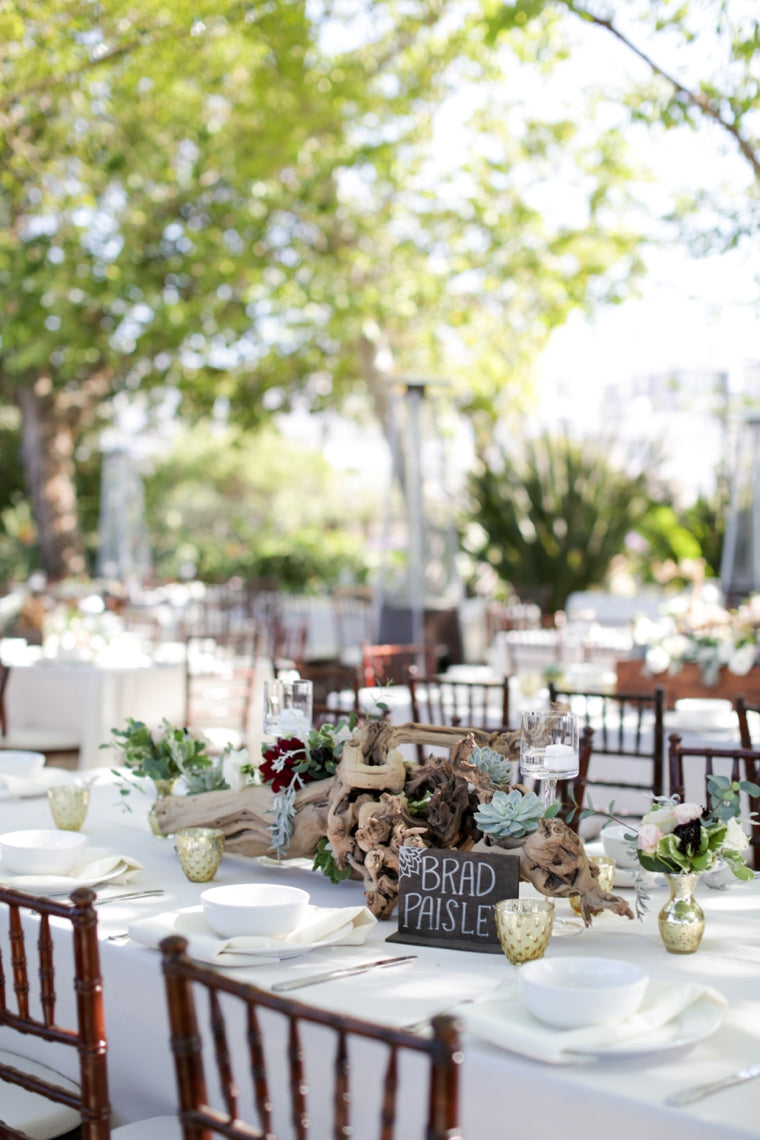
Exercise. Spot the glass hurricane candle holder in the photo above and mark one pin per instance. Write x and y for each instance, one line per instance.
(200, 852)
(524, 927)
(549, 749)
(68, 805)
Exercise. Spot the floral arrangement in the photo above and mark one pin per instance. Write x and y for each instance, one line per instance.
(677, 838)
(291, 763)
(732, 645)
(179, 755)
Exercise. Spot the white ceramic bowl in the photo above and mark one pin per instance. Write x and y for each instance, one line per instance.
(570, 992)
(42, 852)
(700, 712)
(615, 845)
(13, 763)
(254, 909)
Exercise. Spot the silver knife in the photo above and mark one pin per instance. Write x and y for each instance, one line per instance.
(696, 1092)
(102, 900)
(342, 972)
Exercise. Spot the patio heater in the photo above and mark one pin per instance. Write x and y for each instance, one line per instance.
(123, 549)
(418, 591)
(740, 561)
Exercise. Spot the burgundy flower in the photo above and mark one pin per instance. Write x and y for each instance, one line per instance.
(277, 767)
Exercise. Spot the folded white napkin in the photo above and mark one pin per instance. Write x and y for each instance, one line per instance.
(96, 867)
(508, 1024)
(347, 926)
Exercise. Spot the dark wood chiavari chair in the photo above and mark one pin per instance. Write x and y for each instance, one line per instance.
(629, 728)
(201, 1120)
(744, 710)
(36, 1101)
(735, 763)
(391, 664)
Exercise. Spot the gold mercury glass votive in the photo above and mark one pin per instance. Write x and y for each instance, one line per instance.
(200, 852)
(524, 927)
(606, 880)
(68, 805)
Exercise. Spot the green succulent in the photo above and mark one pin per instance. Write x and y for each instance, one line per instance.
(497, 766)
(510, 815)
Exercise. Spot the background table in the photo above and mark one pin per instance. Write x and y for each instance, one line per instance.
(87, 700)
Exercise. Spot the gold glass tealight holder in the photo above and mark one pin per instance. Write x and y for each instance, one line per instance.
(68, 805)
(200, 852)
(524, 927)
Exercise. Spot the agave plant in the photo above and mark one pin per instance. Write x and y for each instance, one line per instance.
(551, 520)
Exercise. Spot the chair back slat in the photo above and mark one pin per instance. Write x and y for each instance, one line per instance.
(18, 962)
(90, 1100)
(47, 971)
(258, 1068)
(5, 672)
(390, 1092)
(201, 1120)
(222, 1052)
(342, 1089)
(297, 1080)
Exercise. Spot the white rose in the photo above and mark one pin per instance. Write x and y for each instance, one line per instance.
(742, 659)
(657, 659)
(232, 763)
(735, 837)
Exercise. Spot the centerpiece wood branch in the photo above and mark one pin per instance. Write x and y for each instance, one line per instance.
(365, 811)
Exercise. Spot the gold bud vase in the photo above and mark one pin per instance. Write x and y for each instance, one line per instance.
(682, 920)
(163, 788)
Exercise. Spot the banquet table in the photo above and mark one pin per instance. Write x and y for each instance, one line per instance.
(503, 1094)
(86, 699)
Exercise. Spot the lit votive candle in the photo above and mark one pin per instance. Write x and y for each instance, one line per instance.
(560, 758)
(292, 721)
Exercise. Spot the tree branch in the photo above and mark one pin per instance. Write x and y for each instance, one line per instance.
(696, 98)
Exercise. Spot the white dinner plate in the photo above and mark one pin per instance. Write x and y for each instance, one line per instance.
(56, 884)
(695, 1023)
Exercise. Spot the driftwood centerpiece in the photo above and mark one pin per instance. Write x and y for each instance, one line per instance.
(376, 802)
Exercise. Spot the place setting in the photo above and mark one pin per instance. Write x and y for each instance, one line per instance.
(255, 924)
(23, 775)
(53, 862)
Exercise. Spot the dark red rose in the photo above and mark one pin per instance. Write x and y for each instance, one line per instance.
(279, 762)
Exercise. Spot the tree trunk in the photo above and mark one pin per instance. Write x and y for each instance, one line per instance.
(47, 449)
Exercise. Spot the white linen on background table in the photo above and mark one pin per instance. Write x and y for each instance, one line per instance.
(88, 700)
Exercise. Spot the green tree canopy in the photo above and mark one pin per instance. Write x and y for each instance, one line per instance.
(245, 201)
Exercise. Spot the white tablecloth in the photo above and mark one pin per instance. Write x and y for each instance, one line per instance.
(503, 1095)
(87, 700)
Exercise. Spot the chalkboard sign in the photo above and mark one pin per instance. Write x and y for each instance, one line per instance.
(446, 897)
